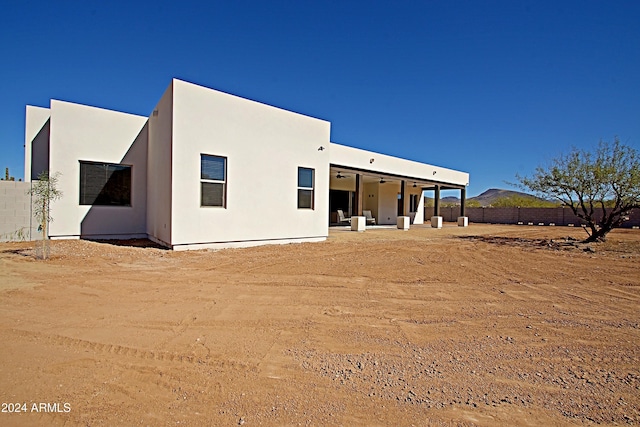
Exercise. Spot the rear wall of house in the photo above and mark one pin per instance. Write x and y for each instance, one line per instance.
(83, 133)
(388, 202)
(264, 146)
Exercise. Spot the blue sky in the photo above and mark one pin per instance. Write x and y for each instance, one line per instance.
(493, 88)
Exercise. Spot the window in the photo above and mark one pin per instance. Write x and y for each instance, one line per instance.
(105, 184)
(213, 181)
(413, 203)
(305, 188)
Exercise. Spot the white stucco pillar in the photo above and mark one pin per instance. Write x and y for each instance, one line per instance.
(403, 222)
(358, 223)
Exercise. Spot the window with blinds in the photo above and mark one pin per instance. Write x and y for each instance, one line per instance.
(213, 181)
(105, 184)
(305, 188)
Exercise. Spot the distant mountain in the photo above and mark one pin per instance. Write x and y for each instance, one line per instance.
(493, 194)
(488, 197)
(450, 199)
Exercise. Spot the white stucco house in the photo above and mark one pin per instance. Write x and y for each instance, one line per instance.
(210, 169)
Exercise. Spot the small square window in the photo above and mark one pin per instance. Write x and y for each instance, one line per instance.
(212, 168)
(305, 199)
(305, 177)
(212, 194)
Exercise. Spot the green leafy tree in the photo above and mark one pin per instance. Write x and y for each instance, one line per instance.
(44, 191)
(429, 203)
(601, 188)
(523, 202)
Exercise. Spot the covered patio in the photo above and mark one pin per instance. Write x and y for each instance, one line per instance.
(390, 188)
(387, 196)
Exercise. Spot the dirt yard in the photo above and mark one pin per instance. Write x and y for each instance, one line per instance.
(485, 325)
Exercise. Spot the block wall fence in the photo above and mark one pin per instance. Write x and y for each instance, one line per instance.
(16, 221)
(515, 215)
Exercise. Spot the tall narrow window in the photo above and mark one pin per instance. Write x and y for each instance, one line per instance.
(213, 181)
(413, 203)
(305, 188)
(105, 184)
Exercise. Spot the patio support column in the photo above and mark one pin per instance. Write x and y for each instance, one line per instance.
(359, 193)
(436, 219)
(463, 220)
(403, 220)
(402, 196)
(358, 222)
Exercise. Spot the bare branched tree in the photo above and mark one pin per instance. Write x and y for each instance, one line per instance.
(44, 191)
(600, 188)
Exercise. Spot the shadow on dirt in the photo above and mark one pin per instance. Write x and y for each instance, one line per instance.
(25, 252)
(132, 243)
(567, 243)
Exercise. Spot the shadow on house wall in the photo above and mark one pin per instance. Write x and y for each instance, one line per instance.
(40, 151)
(107, 221)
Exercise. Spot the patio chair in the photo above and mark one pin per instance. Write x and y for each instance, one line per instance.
(370, 219)
(342, 218)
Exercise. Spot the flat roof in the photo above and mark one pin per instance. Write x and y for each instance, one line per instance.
(375, 166)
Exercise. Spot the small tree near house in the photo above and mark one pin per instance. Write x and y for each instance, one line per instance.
(601, 188)
(44, 191)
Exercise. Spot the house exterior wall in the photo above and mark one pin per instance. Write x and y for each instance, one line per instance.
(370, 200)
(388, 203)
(264, 147)
(343, 185)
(36, 141)
(160, 170)
(80, 132)
(40, 151)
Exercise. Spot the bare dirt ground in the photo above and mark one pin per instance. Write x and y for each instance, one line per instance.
(485, 325)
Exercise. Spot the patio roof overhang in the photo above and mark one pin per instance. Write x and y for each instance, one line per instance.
(347, 176)
(348, 162)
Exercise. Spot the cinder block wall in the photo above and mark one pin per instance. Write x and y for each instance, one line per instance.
(515, 215)
(16, 222)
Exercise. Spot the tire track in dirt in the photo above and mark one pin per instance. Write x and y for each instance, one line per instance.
(125, 352)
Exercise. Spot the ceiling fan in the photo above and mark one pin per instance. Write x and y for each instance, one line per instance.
(340, 176)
